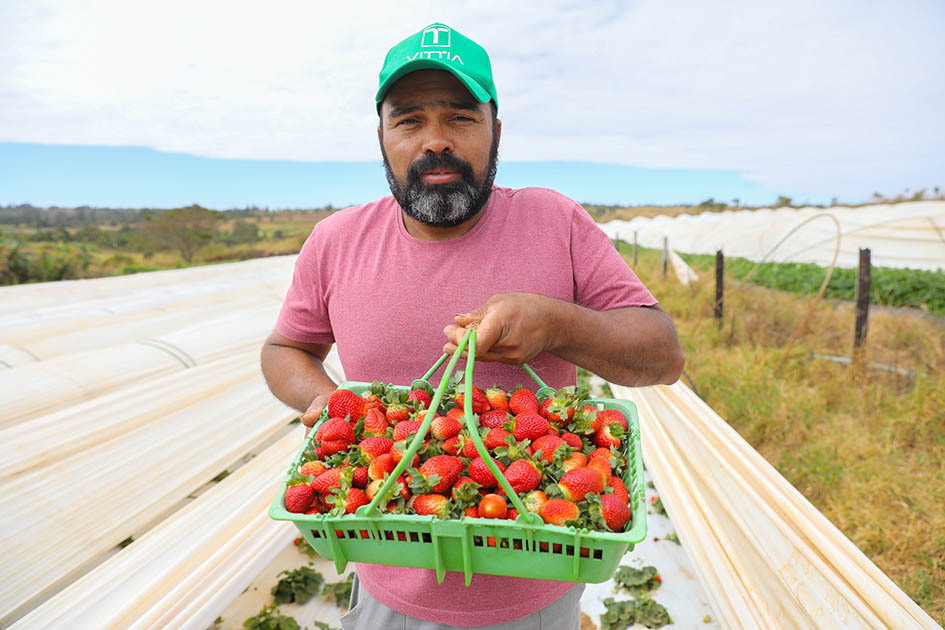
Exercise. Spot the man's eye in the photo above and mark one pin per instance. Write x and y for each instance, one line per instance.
(407, 121)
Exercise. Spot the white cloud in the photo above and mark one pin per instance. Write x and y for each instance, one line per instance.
(826, 98)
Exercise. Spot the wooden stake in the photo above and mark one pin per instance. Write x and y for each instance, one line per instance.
(665, 254)
(634, 249)
(719, 284)
(862, 301)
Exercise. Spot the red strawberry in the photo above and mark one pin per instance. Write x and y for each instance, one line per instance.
(523, 400)
(497, 398)
(615, 511)
(456, 412)
(577, 460)
(343, 403)
(469, 448)
(373, 447)
(446, 469)
(547, 444)
(481, 473)
(380, 466)
(444, 427)
(421, 397)
(600, 452)
(512, 515)
(398, 450)
(472, 511)
(373, 401)
(493, 506)
(552, 410)
(559, 511)
(575, 484)
(620, 490)
(453, 444)
(359, 478)
(397, 412)
(529, 426)
(351, 500)
(494, 419)
(535, 501)
(298, 498)
(465, 489)
(601, 465)
(318, 506)
(405, 429)
(573, 440)
(435, 504)
(496, 438)
(335, 434)
(479, 401)
(523, 475)
(313, 469)
(331, 478)
(609, 435)
(609, 415)
(375, 423)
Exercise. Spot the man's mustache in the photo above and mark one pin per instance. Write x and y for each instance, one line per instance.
(433, 161)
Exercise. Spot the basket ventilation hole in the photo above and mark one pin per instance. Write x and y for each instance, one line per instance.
(598, 554)
(426, 537)
(477, 541)
(414, 537)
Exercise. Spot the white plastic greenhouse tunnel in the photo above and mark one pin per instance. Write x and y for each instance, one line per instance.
(124, 398)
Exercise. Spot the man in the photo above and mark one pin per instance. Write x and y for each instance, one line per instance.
(381, 280)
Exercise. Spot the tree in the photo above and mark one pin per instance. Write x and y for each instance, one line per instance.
(184, 229)
(782, 202)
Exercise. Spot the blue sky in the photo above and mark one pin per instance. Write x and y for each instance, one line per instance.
(678, 100)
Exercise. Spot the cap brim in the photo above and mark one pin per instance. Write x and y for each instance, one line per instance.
(481, 94)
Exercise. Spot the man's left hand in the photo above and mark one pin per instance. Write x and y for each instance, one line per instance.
(512, 328)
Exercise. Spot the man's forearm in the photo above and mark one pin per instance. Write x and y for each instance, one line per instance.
(295, 377)
(633, 346)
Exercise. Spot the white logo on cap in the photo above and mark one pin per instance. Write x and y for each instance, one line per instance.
(438, 36)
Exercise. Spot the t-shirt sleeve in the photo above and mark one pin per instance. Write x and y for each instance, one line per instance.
(304, 315)
(602, 278)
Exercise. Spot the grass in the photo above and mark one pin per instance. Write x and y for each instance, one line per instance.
(865, 446)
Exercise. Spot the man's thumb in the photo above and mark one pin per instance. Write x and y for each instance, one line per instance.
(465, 319)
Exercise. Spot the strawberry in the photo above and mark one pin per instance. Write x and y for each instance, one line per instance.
(335, 434)
(444, 427)
(373, 488)
(472, 511)
(435, 504)
(343, 403)
(547, 444)
(609, 435)
(441, 472)
(496, 438)
(380, 466)
(494, 419)
(551, 411)
(587, 421)
(535, 501)
(469, 448)
(359, 478)
(497, 398)
(456, 412)
(375, 423)
(609, 415)
(577, 460)
(398, 450)
(493, 506)
(559, 511)
(313, 469)
(615, 511)
(373, 401)
(481, 473)
(405, 429)
(580, 481)
(529, 425)
(465, 490)
(347, 501)
(512, 515)
(298, 498)
(374, 447)
(620, 490)
(601, 465)
(331, 478)
(479, 401)
(523, 475)
(523, 400)
(421, 397)
(453, 445)
(600, 452)
(573, 440)
(397, 412)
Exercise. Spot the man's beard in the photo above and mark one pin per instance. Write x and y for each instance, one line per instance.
(443, 205)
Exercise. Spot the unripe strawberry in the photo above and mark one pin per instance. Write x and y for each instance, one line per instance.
(529, 426)
(479, 401)
(523, 400)
(535, 501)
(559, 511)
(343, 403)
(335, 434)
(481, 473)
(497, 398)
(575, 484)
(373, 488)
(615, 511)
(494, 419)
(298, 498)
(493, 506)
(444, 427)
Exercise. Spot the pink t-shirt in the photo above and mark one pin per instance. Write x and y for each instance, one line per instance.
(383, 296)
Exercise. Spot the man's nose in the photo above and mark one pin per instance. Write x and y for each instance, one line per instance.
(437, 139)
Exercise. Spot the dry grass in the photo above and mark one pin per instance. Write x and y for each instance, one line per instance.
(866, 446)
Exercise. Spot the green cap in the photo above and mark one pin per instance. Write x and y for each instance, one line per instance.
(439, 47)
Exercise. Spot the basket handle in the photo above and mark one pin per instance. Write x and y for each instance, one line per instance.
(524, 516)
(417, 439)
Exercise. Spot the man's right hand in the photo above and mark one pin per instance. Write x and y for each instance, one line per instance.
(310, 416)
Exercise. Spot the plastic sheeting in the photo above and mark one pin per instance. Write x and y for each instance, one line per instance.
(899, 235)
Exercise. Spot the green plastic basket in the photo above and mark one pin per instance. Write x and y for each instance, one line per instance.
(525, 547)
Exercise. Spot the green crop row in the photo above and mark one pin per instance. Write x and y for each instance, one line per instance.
(889, 286)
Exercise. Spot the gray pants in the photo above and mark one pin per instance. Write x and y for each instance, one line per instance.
(366, 613)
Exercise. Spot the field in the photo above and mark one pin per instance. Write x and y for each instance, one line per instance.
(866, 446)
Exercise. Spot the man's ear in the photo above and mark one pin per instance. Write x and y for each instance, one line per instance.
(498, 131)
